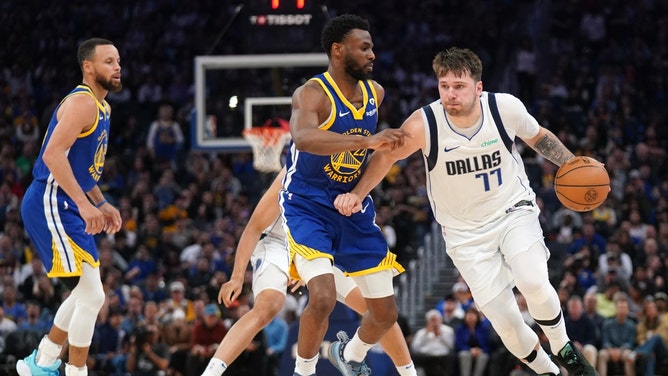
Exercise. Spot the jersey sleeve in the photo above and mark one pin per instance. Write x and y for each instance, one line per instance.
(516, 117)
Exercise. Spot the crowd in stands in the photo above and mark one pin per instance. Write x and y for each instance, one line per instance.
(593, 72)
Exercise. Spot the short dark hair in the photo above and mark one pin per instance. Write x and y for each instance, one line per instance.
(87, 48)
(338, 27)
(459, 61)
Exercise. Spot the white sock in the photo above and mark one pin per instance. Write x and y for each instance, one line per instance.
(47, 352)
(556, 334)
(216, 367)
(356, 349)
(306, 366)
(71, 370)
(543, 364)
(407, 370)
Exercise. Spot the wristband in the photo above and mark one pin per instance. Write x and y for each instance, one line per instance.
(99, 204)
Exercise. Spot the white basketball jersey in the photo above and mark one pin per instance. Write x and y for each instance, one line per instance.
(476, 179)
(275, 230)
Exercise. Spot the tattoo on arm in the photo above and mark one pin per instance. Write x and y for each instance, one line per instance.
(551, 148)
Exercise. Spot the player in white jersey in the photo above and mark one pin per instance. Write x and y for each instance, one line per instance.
(481, 195)
(269, 258)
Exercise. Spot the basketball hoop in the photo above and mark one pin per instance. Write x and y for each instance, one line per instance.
(267, 144)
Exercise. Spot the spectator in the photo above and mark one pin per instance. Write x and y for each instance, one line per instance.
(177, 334)
(593, 240)
(29, 275)
(276, 335)
(525, 67)
(580, 329)
(252, 360)
(12, 308)
(448, 309)
(472, 342)
(148, 355)
(152, 291)
(140, 266)
(618, 339)
(615, 259)
(433, 346)
(7, 325)
(661, 299)
(464, 298)
(605, 303)
(177, 291)
(106, 354)
(206, 336)
(165, 138)
(590, 302)
(133, 316)
(35, 321)
(652, 336)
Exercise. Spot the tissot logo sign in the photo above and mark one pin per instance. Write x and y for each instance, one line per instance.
(280, 19)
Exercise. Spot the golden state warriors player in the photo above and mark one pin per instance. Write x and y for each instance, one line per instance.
(333, 128)
(480, 194)
(269, 259)
(63, 208)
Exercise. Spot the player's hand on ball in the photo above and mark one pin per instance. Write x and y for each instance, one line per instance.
(229, 291)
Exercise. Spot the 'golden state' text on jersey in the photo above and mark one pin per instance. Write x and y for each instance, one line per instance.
(322, 178)
(476, 179)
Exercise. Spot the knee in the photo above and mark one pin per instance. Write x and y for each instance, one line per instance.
(322, 303)
(266, 309)
(531, 285)
(89, 297)
(96, 298)
(383, 312)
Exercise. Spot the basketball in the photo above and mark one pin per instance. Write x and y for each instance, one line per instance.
(582, 184)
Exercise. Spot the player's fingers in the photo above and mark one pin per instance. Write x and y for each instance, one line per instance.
(231, 297)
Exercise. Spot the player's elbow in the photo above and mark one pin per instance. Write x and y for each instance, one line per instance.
(50, 157)
(305, 143)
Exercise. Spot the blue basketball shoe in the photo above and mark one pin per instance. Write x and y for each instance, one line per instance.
(336, 358)
(28, 367)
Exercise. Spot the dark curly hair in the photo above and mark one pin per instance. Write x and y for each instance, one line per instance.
(338, 27)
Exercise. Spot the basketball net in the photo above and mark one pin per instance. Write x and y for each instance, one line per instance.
(267, 144)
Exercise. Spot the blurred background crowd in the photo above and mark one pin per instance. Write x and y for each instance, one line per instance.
(594, 72)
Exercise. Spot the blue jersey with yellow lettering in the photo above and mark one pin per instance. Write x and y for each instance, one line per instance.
(50, 216)
(86, 156)
(322, 178)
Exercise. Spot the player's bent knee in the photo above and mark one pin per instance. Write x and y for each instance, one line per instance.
(266, 310)
(383, 311)
(322, 305)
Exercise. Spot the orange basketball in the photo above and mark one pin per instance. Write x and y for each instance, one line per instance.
(582, 184)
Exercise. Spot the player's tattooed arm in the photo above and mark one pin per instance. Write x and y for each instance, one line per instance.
(551, 148)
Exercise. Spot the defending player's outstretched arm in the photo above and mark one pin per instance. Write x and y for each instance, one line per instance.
(264, 214)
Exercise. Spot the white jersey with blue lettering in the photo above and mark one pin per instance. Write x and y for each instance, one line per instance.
(476, 178)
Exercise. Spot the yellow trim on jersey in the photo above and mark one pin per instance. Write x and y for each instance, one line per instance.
(358, 114)
(332, 114)
(373, 93)
(99, 105)
(304, 251)
(80, 256)
(389, 262)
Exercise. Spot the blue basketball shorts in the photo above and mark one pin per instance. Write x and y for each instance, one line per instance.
(56, 229)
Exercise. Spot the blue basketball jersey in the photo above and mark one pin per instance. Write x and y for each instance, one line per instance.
(50, 216)
(86, 156)
(322, 178)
